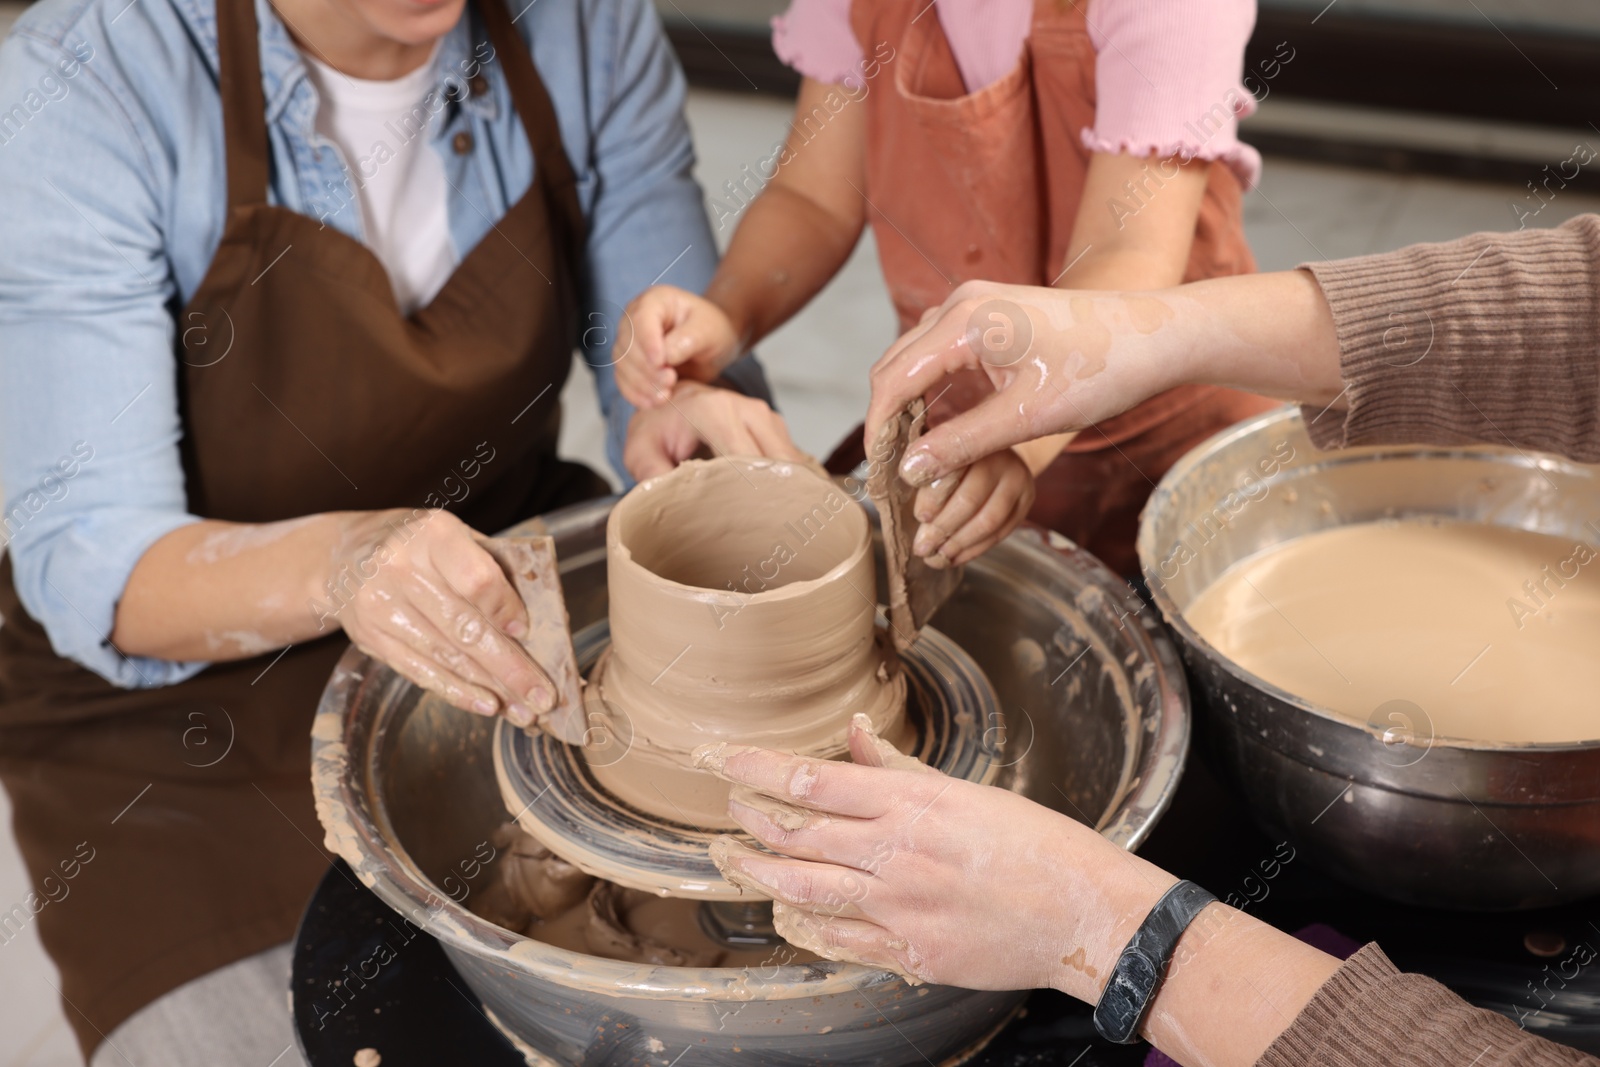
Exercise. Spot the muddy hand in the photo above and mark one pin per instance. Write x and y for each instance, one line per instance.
(425, 598)
(938, 879)
(666, 334)
(696, 417)
(964, 514)
(1068, 359)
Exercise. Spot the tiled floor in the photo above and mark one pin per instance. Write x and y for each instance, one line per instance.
(817, 367)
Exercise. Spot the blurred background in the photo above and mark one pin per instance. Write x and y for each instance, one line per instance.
(1394, 122)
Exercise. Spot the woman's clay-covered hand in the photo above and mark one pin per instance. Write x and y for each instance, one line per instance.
(1088, 356)
(1071, 358)
(903, 867)
(965, 513)
(435, 606)
(669, 333)
(704, 417)
(889, 863)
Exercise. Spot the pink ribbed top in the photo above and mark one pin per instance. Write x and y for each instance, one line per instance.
(1161, 66)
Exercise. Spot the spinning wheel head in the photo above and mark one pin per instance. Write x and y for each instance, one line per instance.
(550, 787)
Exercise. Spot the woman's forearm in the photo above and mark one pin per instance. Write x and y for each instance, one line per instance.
(220, 590)
(415, 588)
(1093, 355)
(1234, 986)
(1234, 983)
(1113, 265)
(1272, 334)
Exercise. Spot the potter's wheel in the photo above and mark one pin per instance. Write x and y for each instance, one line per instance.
(951, 709)
(1096, 714)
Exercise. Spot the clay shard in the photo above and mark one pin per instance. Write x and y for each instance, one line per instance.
(530, 563)
(916, 590)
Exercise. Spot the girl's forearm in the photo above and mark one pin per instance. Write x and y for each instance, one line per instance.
(799, 231)
(1152, 253)
(1272, 334)
(785, 250)
(1124, 268)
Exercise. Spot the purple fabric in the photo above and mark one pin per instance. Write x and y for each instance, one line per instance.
(1317, 935)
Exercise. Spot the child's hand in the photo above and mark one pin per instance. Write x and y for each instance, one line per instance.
(667, 333)
(701, 417)
(969, 511)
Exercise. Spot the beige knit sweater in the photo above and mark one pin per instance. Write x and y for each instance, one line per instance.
(1493, 338)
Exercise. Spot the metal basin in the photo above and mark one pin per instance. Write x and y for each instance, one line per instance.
(1096, 726)
(1386, 806)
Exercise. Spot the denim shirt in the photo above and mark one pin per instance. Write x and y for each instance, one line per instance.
(112, 162)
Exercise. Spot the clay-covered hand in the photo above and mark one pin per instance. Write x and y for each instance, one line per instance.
(416, 590)
(964, 514)
(666, 334)
(700, 419)
(941, 880)
(1060, 360)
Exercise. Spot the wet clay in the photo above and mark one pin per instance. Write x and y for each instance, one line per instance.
(530, 565)
(539, 895)
(742, 609)
(916, 590)
(1492, 632)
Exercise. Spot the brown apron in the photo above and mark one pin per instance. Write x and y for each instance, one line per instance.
(986, 185)
(193, 802)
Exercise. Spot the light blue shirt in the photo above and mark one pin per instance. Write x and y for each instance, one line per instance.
(112, 162)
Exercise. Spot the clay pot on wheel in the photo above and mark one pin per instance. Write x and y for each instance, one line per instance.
(743, 604)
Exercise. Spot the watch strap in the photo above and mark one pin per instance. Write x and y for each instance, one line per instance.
(1143, 963)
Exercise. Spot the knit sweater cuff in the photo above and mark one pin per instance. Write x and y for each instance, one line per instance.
(1369, 1014)
(1487, 339)
(1326, 1016)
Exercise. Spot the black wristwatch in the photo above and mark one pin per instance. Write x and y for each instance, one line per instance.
(1143, 964)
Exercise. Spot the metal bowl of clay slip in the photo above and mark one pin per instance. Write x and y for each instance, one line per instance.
(1096, 726)
(1396, 793)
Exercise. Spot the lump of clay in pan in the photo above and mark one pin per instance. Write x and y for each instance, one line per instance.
(530, 882)
(611, 932)
(539, 895)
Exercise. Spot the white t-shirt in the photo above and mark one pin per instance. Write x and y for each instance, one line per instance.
(381, 127)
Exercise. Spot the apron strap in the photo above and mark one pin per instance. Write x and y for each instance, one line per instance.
(528, 94)
(244, 104)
